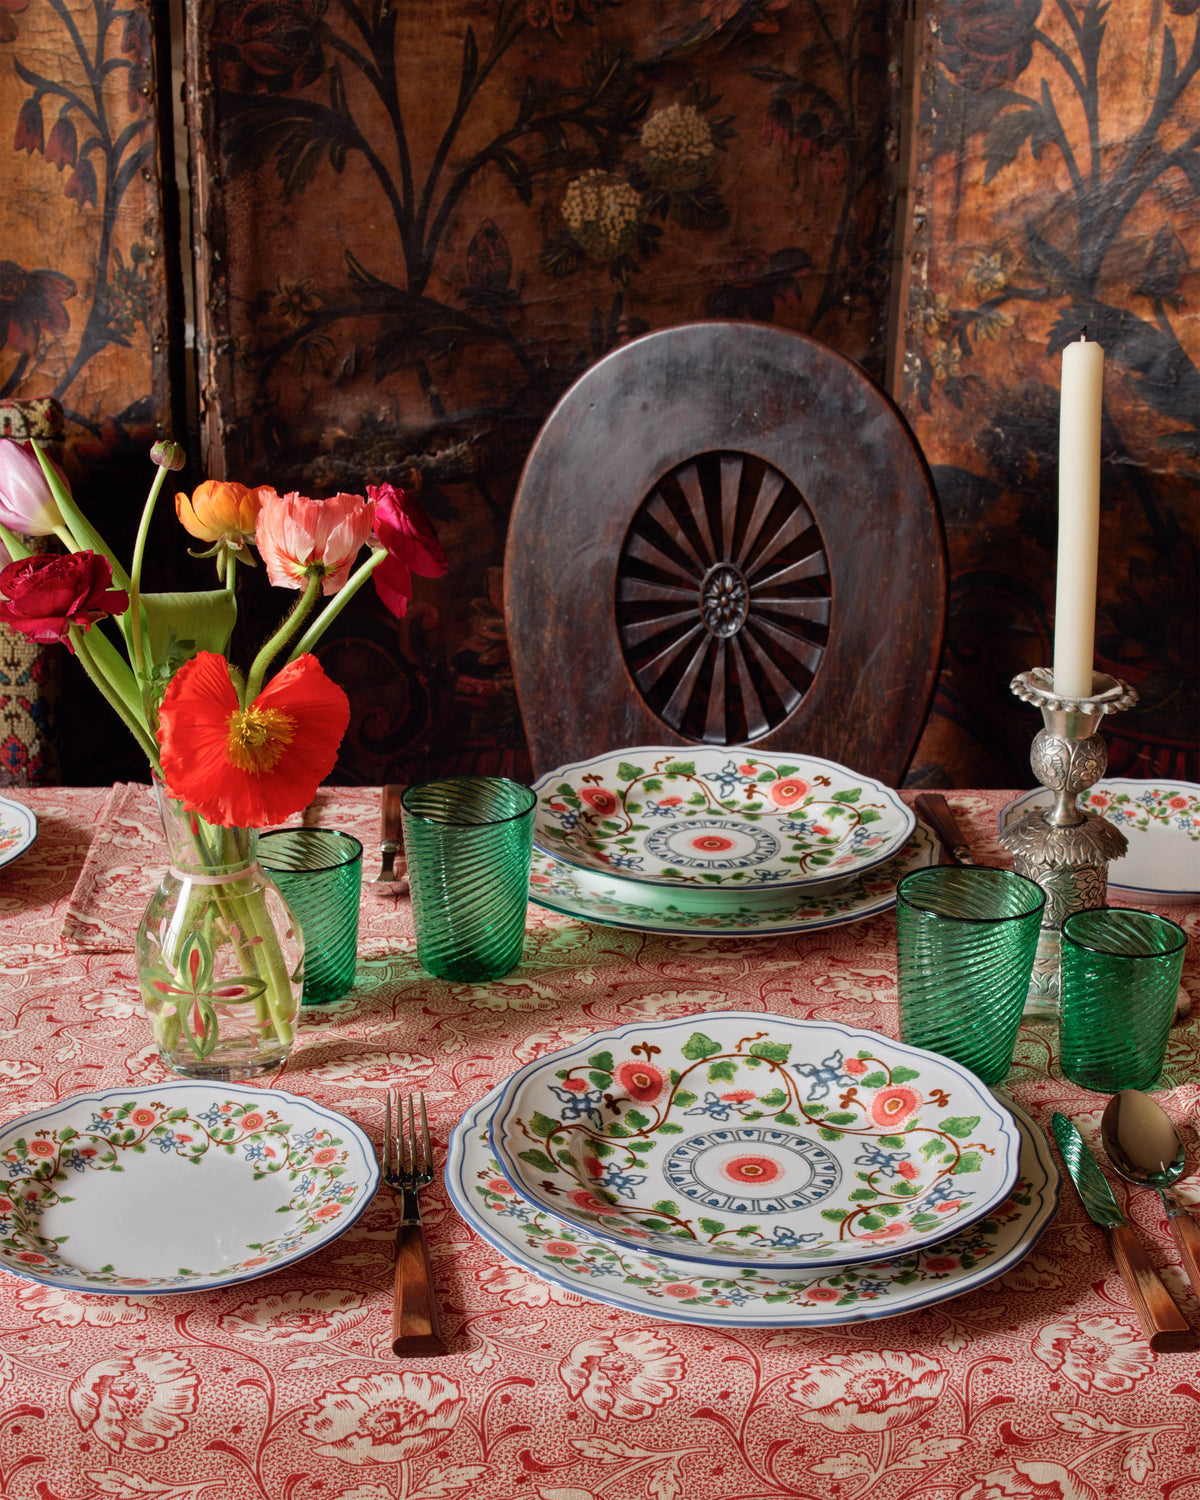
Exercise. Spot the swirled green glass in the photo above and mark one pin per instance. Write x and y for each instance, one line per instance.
(319, 871)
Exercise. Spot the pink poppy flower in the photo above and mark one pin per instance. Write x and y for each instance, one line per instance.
(892, 1106)
(789, 791)
(641, 1081)
(296, 536)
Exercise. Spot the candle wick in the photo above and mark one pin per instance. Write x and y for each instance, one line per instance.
(1083, 335)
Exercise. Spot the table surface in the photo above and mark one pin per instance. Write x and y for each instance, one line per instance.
(1038, 1385)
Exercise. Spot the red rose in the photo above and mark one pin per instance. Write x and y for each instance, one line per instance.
(45, 595)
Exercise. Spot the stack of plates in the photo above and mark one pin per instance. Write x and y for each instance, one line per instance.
(698, 838)
(736, 1168)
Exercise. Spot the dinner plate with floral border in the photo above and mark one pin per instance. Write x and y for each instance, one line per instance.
(739, 825)
(18, 830)
(1161, 820)
(614, 902)
(750, 1297)
(177, 1187)
(738, 1137)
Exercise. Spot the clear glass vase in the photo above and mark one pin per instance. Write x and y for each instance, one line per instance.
(220, 957)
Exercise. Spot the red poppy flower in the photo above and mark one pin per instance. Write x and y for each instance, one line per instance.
(406, 533)
(248, 767)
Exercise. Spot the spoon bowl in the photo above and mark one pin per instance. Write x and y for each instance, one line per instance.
(1144, 1148)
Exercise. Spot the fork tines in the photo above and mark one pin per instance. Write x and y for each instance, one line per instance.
(407, 1161)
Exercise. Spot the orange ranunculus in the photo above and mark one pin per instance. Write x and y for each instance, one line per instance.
(248, 767)
(219, 510)
(296, 535)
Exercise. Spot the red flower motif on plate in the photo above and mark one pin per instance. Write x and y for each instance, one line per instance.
(641, 1081)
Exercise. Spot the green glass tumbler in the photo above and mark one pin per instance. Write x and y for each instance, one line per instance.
(319, 872)
(966, 938)
(1120, 977)
(469, 842)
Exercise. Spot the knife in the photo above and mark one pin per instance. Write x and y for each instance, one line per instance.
(934, 808)
(391, 838)
(1165, 1327)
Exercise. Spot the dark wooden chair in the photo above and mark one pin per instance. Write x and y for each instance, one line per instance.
(726, 533)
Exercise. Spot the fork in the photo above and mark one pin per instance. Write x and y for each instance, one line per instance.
(408, 1166)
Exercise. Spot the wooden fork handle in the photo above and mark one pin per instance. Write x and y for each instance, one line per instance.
(1167, 1330)
(415, 1329)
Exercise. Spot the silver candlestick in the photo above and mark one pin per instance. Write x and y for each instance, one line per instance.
(1063, 848)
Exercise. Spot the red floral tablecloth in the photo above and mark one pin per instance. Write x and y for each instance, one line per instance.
(1037, 1385)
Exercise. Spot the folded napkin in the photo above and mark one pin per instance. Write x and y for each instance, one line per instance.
(119, 875)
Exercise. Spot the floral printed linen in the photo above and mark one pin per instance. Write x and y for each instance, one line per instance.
(1038, 1386)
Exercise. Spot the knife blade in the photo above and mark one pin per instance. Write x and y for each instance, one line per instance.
(1167, 1330)
(934, 808)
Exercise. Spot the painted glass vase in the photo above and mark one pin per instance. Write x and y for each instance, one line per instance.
(220, 957)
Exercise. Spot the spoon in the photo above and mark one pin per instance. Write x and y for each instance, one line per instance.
(1144, 1147)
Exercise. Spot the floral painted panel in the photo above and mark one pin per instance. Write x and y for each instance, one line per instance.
(421, 222)
(1057, 188)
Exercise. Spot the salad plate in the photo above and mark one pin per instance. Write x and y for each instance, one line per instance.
(176, 1188)
(1161, 820)
(739, 1137)
(736, 824)
(18, 830)
(749, 1296)
(614, 902)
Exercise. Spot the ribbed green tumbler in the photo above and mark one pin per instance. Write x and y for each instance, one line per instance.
(966, 938)
(319, 872)
(1120, 977)
(469, 840)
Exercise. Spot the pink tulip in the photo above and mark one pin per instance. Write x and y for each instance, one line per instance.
(296, 536)
(406, 533)
(26, 504)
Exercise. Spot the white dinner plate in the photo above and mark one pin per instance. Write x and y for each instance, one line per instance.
(759, 1297)
(18, 830)
(614, 902)
(740, 1136)
(1161, 820)
(176, 1188)
(734, 824)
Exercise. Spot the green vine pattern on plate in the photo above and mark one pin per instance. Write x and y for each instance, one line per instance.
(314, 1162)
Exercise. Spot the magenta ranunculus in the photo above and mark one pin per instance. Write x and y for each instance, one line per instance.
(46, 595)
(407, 534)
(26, 504)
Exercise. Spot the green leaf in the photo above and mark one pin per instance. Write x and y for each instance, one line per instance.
(543, 1125)
(602, 1062)
(669, 1127)
(904, 1075)
(680, 768)
(684, 1097)
(627, 772)
(834, 1215)
(847, 796)
(652, 784)
(774, 1099)
(873, 1081)
(932, 1148)
(666, 1206)
(829, 1135)
(871, 1221)
(893, 1141)
(890, 1209)
(602, 1148)
(868, 815)
(841, 1119)
(602, 1081)
(772, 1051)
(698, 1045)
(636, 1118)
(565, 1157)
(618, 1132)
(537, 1159)
(661, 1225)
(784, 1118)
(960, 1125)
(712, 1226)
(785, 771)
(722, 1072)
(863, 1195)
(905, 1190)
(764, 776)
(969, 1161)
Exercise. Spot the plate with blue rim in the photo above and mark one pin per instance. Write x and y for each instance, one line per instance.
(18, 830)
(655, 1286)
(740, 1137)
(743, 826)
(176, 1187)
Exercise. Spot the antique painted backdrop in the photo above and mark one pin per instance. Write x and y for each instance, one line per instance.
(417, 223)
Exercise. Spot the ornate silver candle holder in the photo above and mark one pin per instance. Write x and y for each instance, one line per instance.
(1063, 848)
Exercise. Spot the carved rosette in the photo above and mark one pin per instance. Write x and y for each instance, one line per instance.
(1068, 888)
(723, 598)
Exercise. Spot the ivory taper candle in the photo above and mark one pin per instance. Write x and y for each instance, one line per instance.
(1078, 517)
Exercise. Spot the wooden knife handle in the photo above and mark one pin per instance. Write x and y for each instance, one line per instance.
(391, 825)
(1167, 1330)
(1186, 1233)
(934, 808)
(415, 1329)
